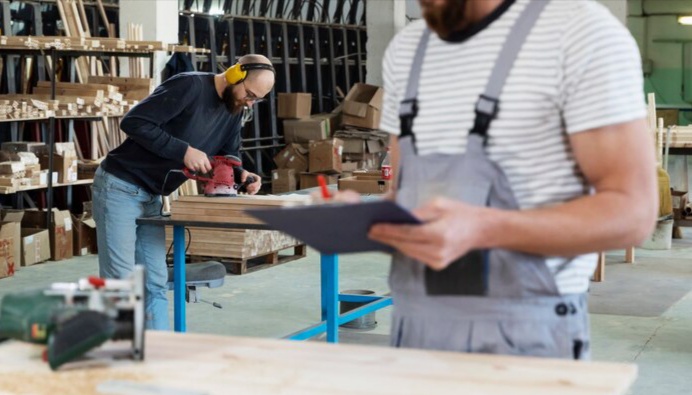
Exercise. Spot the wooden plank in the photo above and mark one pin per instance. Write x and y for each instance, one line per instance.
(255, 200)
(203, 218)
(90, 86)
(210, 364)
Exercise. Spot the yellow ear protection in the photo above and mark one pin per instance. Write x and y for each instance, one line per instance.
(238, 72)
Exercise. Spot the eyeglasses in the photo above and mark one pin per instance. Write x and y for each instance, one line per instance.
(251, 96)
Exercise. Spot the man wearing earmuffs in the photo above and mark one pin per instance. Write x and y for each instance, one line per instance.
(187, 119)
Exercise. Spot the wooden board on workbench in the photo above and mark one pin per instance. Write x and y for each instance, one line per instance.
(220, 365)
(227, 209)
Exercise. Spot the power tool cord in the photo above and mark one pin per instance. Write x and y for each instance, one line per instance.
(161, 213)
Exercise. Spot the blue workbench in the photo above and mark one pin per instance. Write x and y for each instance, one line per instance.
(329, 281)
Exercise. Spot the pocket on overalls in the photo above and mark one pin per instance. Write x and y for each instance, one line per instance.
(536, 339)
(467, 275)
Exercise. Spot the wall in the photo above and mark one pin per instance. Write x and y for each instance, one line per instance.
(384, 19)
(666, 49)
(159, 19)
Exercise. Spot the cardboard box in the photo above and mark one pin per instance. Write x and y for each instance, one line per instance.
(349, 167)
(284, 180)
(294, 105)
(86, 169)
(61, 243)
(325, 156)
(7, 261)
(362, 106)
(65, 166)
(309, 180)
(361, 146)
(306, 130)
(23, 146)
(366, 184)
(84, 235)
(294, 156)
(15, 217)
(334, 119)
(35, 246)
(365, 161)
(42, 178)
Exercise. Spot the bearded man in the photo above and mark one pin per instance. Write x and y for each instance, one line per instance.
(187, 119)
(509, 120)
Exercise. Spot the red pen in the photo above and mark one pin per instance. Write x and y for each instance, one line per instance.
(323, 187)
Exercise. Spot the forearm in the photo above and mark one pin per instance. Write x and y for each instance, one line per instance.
(604, 221)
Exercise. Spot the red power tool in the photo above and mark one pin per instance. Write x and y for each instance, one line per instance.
(226, 170)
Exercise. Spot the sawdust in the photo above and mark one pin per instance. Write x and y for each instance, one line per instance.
(78, 382)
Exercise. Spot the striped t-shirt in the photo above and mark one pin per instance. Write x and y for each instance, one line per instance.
(578, 70)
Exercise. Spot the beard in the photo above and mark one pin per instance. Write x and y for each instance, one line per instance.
(446, 19)
(229, 101)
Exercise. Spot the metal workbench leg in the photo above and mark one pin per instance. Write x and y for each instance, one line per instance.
(179, 278)
(329, 270)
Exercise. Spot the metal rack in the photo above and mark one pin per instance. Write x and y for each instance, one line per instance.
(54, 55)
(316, 47)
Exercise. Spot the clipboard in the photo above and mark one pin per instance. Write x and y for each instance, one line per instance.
(336, 228)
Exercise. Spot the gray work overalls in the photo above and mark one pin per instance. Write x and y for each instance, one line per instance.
(493, 301)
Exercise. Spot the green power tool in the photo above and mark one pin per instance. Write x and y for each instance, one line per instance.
(74, 318)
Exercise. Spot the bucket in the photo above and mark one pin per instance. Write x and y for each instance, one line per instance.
(367, 321)
(662, 238)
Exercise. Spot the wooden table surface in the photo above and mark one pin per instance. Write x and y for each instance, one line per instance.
(191, 364)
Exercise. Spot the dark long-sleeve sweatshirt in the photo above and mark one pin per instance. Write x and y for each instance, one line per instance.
(183, 111)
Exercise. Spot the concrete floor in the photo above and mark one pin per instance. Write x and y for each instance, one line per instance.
(279, 301)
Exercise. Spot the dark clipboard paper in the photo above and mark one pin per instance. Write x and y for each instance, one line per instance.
(336, 228)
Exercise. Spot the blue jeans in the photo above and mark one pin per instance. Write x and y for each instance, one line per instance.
(122, 243)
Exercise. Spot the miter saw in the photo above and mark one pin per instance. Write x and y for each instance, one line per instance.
(225, 177)
(74, 318)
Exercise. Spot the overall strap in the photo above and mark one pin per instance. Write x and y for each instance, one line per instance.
(408, 108)
(487, 105)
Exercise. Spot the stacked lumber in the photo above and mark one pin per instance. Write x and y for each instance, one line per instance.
(681, 137)
(229, 209)
(135, 32)
(131, 88)
(236, 245)
(100, 44)
(187, 49)
(19, 170)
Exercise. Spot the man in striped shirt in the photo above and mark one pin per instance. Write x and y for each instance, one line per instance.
(515, 209)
